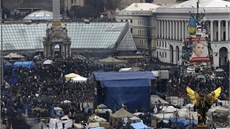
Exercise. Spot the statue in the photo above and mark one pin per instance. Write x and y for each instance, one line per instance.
(202, 103)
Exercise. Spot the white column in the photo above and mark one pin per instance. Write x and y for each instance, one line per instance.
(179, 30)
(182, 30)
(176, 37)
(227, 31)
(173, 30)
(170, 29)
(219, 30)
(162, 28)
(158, 28)
(211, 30)
(167, 29)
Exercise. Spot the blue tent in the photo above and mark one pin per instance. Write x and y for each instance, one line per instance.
(24, 64)
(182, 121)
(129, 88)
(139, 125)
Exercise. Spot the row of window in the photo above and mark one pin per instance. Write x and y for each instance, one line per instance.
(143, 43)
(161, 44)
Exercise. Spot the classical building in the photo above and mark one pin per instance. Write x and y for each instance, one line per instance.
(171, 28)
(142, 23)
(172, 25)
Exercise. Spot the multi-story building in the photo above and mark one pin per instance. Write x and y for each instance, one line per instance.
(142, 25)
(172, 25)
(171, 29)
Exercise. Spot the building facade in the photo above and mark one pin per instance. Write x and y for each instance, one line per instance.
(171, 29)
(172, 25)
(142, 23)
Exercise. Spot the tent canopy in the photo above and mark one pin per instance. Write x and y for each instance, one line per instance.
(71, 75)
(14, 56)
(111, 60)
(47, 62)
(121, 114)
(79, 79)
(139, 125)
(133, 88)
(99, 76)
(24, 64)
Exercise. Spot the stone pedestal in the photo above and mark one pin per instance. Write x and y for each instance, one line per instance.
(203, 126)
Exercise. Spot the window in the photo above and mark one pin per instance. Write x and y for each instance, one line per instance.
(131, 30)
(131, 21)
(121, 20)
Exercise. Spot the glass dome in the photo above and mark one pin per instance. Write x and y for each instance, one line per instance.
(40, 15)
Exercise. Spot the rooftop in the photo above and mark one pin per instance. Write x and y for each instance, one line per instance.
(40, 15)
(203, 4)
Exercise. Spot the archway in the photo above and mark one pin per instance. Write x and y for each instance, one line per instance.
(177, 54)
(223, 56)
(171, 54)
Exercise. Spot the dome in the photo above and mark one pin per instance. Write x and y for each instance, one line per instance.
(40, 15)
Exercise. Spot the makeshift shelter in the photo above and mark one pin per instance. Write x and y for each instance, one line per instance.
(79, 79)
(139, 125)
(12, 56)
(71, 75)
(24, 64)
(135, 119)
(95, 118)
(111, 60)
(119, 115)
(47, 62)
(129, 88)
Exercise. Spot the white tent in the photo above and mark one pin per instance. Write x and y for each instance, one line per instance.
(47, 62)
(79, 79)
(71, 75)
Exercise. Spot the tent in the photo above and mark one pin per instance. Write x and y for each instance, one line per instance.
(122, 113)
(79, 79)
(129, 88)
(24, 64)
(71, 75)
(47, 62)
(139, 125)
(14, 56)
(95, 118)
(111, 60)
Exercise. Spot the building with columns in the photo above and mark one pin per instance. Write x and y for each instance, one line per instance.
(172, 25)
(171, 29)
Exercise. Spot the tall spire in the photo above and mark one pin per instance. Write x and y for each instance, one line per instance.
(56, 13)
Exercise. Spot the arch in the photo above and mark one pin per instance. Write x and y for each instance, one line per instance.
(171, 54)
(223, 56)
(177, 54)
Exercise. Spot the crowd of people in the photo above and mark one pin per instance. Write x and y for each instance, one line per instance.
(35, 91)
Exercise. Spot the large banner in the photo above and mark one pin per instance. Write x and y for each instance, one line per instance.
(199, 51)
